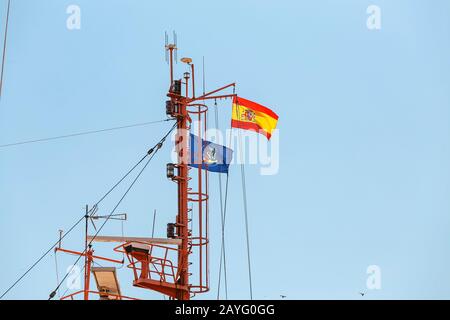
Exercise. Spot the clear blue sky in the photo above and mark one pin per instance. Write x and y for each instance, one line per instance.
(364, 127)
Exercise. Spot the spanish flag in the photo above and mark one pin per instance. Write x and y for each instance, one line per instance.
(250, 115)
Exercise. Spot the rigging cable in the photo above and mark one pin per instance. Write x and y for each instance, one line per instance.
(123, 254)
(244, 198)
(57, 272)
(153, 225)
(82, 133)
(223, 215)
(42, 257)
(4, 47)
(222, 249)
(92, 211)
(52, 294)
(152, 152)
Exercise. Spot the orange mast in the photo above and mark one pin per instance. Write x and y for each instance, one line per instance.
(183, 107)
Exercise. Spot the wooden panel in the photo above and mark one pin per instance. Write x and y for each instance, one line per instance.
(132, 239)
(106, 279)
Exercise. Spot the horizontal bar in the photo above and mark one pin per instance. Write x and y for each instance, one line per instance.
(132, 239)
(211, 92)
(224, 96)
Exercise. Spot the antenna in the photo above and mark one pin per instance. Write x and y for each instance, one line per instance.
(61, 232)
(175, 41)
(119, 216)
(171, 52)
(166, 43)
(171, 46)
(93, 212)
(93, 216)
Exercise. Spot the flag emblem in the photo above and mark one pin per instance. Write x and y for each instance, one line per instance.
(249, 115)
(208, 155)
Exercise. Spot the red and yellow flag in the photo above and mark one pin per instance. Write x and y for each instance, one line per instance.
(250, 115)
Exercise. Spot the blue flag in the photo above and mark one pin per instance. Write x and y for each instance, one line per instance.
(215, 157)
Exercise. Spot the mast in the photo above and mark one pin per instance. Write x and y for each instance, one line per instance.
(178, 103)
(194, 239)
(181, 146)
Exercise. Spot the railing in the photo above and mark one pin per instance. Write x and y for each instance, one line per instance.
(152, 267)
